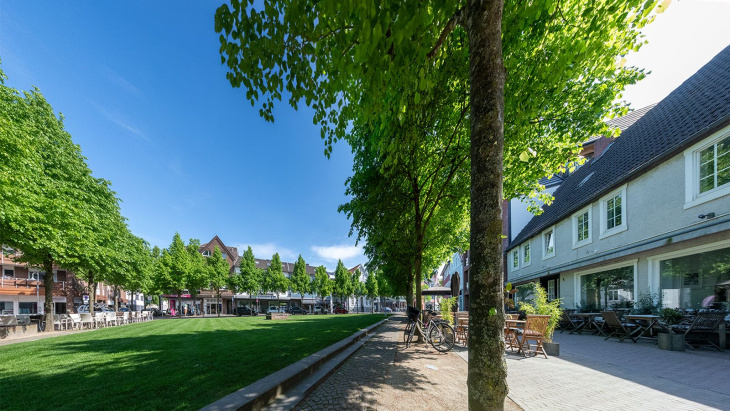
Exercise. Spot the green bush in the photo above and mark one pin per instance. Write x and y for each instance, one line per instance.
(670, 316)
(541, 306)
(446, 305)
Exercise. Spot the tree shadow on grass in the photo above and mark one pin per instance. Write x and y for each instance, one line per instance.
(165, 364)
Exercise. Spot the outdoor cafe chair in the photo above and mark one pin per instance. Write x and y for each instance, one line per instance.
(75, 320)
(88, 319)
(704, 324)
(111, 318)
(569, 323)
(535, 326)
(60, 321)
(619, 329)
(510, 339)
(125, 317)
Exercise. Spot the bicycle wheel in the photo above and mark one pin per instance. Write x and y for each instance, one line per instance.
(410, 335)
(442, 337)
(407, 331)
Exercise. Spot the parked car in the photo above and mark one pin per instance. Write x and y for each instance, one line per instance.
(84, 308)
(297, 310)
(340, 310)
(272, 310)
(318, 309)
(155, 311)
(124, 309)
(245, 311)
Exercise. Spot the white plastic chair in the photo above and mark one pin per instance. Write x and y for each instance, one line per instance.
(87, 318)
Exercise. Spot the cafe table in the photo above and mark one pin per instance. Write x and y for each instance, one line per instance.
(646, 323)
(588, 323)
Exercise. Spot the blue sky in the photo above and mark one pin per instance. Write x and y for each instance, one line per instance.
(145, 96)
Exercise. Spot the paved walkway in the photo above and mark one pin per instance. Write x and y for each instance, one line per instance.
(384, 375)
(593, 374)
(589, 374)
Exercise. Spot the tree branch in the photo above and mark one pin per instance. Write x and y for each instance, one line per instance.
(456, 19)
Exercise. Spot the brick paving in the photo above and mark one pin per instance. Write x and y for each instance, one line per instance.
(593, 374)
(384, 375)
(589, 374)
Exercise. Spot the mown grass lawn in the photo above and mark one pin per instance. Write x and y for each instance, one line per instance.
(164, 364)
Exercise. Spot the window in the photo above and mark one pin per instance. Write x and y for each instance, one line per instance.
(715, 166)
(515, 259)
(34, 275)
(224, 255)
(551, 290)
(610, 288)
(582, 227)
(206, 253)
(8, 273)
(613, 212)
(707, 169)
(699, 280)
(526, 254)
(27, 308)
(548, 243)
(6, 307)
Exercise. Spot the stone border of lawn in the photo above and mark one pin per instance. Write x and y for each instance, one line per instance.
(259, 394)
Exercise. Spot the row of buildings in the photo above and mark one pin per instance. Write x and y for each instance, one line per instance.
(206, 301)
(22, 291)
(646, 218)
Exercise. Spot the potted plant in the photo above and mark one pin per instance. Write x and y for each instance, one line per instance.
(540, 305)
(669, 340)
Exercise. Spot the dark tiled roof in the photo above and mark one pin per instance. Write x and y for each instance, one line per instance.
(700, 104)
(628, 120)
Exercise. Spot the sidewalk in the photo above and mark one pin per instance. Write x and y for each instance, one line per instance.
(385, 375)
(589, 374)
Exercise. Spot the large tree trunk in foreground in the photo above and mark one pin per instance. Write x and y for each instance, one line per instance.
(487, 379)
(48, 288)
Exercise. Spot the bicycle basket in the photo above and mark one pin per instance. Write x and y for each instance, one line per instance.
(413, 313)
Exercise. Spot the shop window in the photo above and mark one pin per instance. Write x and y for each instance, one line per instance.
(696, 281)
(607, 289)
(27, 308)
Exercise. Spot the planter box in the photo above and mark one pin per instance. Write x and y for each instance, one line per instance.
(671, 342)
(551, 349)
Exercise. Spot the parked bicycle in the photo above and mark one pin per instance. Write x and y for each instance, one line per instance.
(436, 331)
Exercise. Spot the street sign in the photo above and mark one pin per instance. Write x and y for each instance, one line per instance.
(86, 299)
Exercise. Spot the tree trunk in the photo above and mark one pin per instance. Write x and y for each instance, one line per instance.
(487, 376)
(220, 306)
(48, 289)
(179, 310)
(116, 298)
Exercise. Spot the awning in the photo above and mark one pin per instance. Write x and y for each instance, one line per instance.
(437, 291)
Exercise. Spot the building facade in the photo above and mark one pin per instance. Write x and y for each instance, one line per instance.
(649, 218)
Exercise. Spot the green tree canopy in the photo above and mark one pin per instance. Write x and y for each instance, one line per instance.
(300, 281)
(218, 273)
(322, 284)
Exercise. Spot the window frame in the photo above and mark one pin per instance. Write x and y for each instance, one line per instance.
(605, 231)
(523, 247)
(574, 223)
(515, 253)
(545, 253)
(692, 195)
(551, 283)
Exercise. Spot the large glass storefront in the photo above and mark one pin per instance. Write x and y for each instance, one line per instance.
(607, 289)
(696, 281)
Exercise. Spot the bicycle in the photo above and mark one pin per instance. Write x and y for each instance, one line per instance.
(437, 332)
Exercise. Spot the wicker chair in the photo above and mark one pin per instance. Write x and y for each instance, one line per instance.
(535, 326)
(618, 329)
(696, 333)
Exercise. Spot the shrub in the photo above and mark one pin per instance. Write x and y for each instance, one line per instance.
(446, 305)
(540, 305)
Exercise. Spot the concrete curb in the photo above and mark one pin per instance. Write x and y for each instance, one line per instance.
(257, 395)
